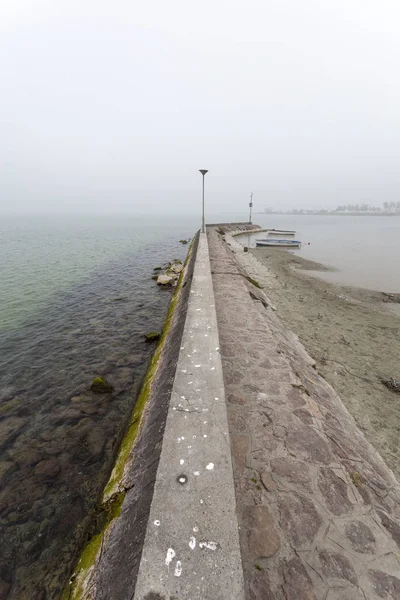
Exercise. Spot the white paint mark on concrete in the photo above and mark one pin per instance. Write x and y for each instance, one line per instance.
(205, 422)
(217, 348)
(196, 473)
(197, 366)
(216, 398)
(205, 435)
(178, 569)
(170, 556)
(157, 523)
(190, 382)
(210, 466)
(181, 461)
(182, 479)
(184, 371)
(206, 335)
(201, 501)
(209, 545)
(195, 529)
(212, 369)
(183, 397)
(192, 543)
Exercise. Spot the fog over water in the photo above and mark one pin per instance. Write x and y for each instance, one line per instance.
(112, 107)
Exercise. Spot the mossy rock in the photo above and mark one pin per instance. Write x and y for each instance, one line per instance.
(10, 405)
(157, 269)
(154, 277)
(176, 260)
(152, 336)
(183, 242)
(101, 386)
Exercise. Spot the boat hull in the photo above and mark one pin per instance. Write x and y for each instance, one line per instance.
(279, 243)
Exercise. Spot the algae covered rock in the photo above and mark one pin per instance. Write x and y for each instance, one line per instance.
(183, 242)
(176, 267)
(101, 386)
(152, 336)
(166, 279)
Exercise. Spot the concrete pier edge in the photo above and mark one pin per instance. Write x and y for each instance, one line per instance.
(192, 548)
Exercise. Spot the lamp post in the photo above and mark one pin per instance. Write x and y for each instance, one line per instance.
(250, 205)
(203, 228)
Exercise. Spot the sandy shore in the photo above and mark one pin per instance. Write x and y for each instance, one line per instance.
(353, 338)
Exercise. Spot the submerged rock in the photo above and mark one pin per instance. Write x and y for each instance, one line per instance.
(152, 336)
(183, 242)
(101, 386)
(48, 468)
(392, 384)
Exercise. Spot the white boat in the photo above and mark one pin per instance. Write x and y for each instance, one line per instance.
(279, 243)
(280, 232)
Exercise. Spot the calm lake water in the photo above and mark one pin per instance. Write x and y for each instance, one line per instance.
(76, 297)
(365, 250)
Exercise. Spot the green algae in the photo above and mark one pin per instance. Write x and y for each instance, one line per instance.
(76, 587)
(10, 405)
(252, 281)
(101, 386)
(356, 479)
(152, 336)
(141, 402)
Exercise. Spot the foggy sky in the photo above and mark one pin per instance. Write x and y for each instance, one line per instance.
(112, 107)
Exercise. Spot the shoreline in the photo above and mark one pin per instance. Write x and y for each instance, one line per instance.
(353, 340)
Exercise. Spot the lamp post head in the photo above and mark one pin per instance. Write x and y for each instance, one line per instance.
(203, 171)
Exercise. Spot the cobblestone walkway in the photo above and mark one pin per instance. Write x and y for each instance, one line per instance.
(318, 510)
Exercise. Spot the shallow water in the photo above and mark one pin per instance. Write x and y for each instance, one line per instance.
(76, 297)
(364, 250)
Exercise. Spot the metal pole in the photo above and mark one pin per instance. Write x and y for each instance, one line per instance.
(250, 205)
(203, 229)
(203, 225)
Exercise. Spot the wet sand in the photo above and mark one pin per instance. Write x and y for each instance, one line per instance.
(353, 337)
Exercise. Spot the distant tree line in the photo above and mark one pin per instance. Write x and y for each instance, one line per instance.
(392, 208)
(388, 207)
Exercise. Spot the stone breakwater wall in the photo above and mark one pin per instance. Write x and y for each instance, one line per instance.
(318, 509)
(107, 569)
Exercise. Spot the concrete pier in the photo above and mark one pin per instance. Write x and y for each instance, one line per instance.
(265, 489)
(191, 550)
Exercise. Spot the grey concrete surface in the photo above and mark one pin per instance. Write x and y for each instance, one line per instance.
(191, 549)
